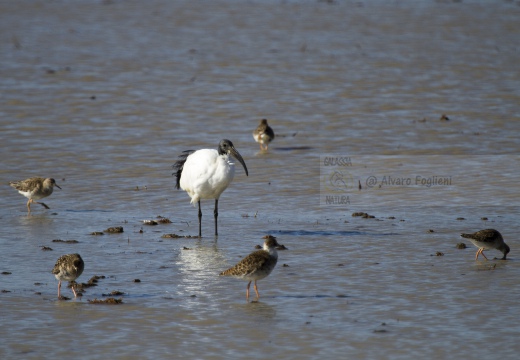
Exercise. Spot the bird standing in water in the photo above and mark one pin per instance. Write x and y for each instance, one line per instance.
(257, 265)
(263, 134)
(68, 268)
(206, 173)
(35, 188)
(488, 239)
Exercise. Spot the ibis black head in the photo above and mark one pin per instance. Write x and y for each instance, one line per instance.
(225, 147)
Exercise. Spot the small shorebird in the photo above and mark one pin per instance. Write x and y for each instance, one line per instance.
(35, 188)
(68, 268)
(263, 134)
(206, 173)
(487, 239)
(257, 265)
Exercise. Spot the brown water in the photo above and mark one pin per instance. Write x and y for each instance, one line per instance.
(103, 96)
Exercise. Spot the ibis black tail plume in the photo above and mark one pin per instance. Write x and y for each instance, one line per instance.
(179, 166)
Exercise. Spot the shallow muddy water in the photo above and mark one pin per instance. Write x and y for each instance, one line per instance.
(103, 96)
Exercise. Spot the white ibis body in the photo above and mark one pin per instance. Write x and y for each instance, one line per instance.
(206, 173)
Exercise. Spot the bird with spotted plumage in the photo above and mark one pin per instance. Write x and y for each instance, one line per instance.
(35, 188)
(68, 268)
(263, 134)
(206, 173)
(256, 266)
(488, 239)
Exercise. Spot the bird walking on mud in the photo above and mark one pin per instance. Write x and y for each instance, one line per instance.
(35, 188)
(68, 268)
(256, 266)
(263, 134)
(206, 173)
(488, 239)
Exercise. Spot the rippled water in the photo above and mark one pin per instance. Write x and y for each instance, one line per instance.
(103, 96)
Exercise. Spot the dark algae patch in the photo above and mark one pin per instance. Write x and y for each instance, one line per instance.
(150, 222)
(175, 236)
(91, 282)
(163, 220)
(363, 215)
(114, 293)
(109, 301)
(114, 230)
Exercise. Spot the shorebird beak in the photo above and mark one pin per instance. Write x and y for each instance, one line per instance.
(506, 251)
(57, 186)
(237, 156)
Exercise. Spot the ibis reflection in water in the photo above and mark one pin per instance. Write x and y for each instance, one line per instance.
(206, 173)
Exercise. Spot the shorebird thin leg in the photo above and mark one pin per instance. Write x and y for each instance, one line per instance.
(200, 221)
(59, 289)
(74, 290)
(29, 205)
(480, 251)
(247, 291)
(215, 212)
(256, 290)
(42, 204)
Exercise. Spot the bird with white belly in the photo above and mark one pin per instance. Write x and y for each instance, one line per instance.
(206, 173)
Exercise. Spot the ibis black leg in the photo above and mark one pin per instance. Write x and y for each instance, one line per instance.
(200, 221)
(215, 212)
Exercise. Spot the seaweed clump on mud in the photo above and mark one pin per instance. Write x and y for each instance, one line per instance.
(109, 301)
(150, 222)
(114, 293)
(160, 220)
(163, 220)
(364, 215)
(114, 230)
(175, 236)
(80, 287)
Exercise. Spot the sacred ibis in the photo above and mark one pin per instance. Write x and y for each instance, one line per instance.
(206, 173)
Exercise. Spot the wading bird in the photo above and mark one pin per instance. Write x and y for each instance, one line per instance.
(257, 265)
(68, 268)
(263, 134)
(35, 188)
(206, 173)
(488, 239)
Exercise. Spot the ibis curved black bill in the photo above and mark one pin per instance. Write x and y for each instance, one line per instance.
(237, 156)
(226, 147)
